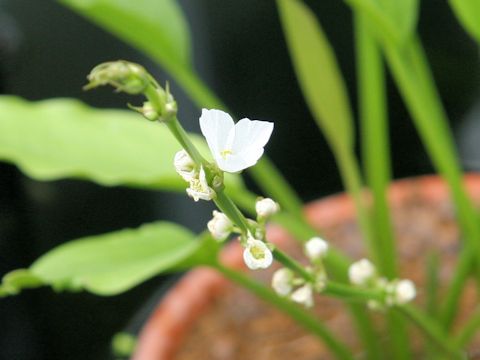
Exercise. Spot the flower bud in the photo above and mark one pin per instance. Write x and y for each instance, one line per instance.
(184, 165)
(361, 272)
(257, 255)
(220, 226)
(266, 207)
(303, 296)
(282, 281)
(316, 248)
(122, 75)
(404, 291)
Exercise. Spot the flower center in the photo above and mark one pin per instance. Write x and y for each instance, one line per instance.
(257, 252)
(225, 153)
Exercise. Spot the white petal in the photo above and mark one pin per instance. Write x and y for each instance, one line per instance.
(250, 138)
(216, 126)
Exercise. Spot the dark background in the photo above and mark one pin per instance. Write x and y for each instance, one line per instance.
(46, 51)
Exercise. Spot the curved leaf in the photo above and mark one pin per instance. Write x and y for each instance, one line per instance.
(158, 29)
(317, 72)
(62, 138)
(140, 22)
(108, 264)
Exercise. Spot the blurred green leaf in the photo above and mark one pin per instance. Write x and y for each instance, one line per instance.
(393, 19)
(156, 27)
(64, 138)
(112, 263)
(317, 72)
(468, 13)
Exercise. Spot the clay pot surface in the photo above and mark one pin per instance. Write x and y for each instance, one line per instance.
(169, 325)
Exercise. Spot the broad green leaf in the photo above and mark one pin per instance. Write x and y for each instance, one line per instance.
(155, 27)
(62, 138)
(317, 72)
(468, 13)
(395, 20)
(112, 263)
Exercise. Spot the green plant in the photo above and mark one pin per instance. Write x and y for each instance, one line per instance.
(32, 133)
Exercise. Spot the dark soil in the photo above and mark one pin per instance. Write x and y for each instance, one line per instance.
(240, 327)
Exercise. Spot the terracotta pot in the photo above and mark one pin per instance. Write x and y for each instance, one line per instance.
(167, 327)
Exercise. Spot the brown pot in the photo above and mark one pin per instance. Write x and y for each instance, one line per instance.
(165, 332)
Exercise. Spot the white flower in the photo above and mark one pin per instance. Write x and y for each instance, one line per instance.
(199, 188)
(361, 272)
(266, 207)
(184, 165)
(303, 296)
(257, 255)
(220, 226)
(234, 146)
(316, 248)
(282, 281)
(404, 291)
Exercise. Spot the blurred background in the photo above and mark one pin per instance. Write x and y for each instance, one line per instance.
(46, 51)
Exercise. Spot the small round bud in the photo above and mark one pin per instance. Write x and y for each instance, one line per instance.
(282, 281)
(266, 207)
(184, 165)
(303, 296)
(316, 248)
(361, 272)
(257, 255)
(220, 226)
(404, 291)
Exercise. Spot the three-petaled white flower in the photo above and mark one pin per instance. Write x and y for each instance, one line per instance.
(282, 281)
(303, 296)
(234, 146)
(184, 165)
(199, 188)
(257, 255)
(220, 226)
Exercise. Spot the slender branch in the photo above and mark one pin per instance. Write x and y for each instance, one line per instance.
(302, 317)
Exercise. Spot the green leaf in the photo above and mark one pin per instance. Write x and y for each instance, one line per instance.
(112, 263)
(317, 72)
(394, 20)
(155, 27)
(468, 13)
(61, 138)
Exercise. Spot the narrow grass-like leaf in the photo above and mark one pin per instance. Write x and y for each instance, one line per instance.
(468, 13)
(62, 138)
(394, 20)
(112, 263)
(317, 72)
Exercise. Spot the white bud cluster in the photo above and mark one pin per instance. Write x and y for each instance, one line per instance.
(396, 292)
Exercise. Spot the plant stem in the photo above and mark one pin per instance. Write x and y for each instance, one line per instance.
(432, 330)
(415, 82)
(377, 168)
(375, 143)
(301, 316)
(468, 330)
(267, 176)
